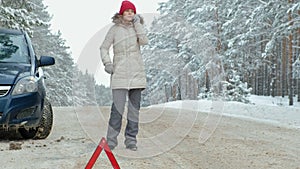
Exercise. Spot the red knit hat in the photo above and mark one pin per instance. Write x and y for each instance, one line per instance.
(127, 5)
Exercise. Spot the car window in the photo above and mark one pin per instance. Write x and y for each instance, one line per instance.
(13, 48)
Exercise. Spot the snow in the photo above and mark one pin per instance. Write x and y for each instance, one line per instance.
(234, 144)
(265, 109)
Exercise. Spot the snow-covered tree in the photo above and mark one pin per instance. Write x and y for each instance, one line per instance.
(18, 14)
(181, 52)
(59, 76)
(103, 95)
(236, 90)
(208, 39)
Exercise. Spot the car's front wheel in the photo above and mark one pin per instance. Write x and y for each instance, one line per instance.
(45, 125)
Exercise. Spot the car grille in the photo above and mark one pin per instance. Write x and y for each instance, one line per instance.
(4, 90)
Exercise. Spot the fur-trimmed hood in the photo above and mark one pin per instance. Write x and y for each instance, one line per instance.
(118, 19)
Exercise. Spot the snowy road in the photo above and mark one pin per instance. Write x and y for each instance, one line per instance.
(236, 143)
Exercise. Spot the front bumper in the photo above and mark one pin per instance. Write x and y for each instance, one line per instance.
(20, 111)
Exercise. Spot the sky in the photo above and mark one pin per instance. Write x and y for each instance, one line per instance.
(80, 22)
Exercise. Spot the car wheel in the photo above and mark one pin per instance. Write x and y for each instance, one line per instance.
(46, 122)
(44, 128)
(27, 134)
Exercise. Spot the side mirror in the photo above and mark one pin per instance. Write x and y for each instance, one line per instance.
(46, 61)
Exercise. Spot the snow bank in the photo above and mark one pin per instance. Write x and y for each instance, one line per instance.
(275, 111)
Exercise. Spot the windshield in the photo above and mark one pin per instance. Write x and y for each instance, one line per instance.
(13, 49)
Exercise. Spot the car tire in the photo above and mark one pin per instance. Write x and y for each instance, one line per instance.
(45, 125)
(46, 122)
(27, 134)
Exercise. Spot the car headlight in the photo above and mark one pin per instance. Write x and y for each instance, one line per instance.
(26, 85)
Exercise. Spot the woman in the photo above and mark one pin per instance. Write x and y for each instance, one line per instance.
(127, 71)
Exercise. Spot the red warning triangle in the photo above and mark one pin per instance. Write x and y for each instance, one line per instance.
(103, 145)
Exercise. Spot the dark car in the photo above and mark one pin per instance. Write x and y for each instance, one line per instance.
(23, 103)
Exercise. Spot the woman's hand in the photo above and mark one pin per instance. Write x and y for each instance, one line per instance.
(136, 18)
(109, 68)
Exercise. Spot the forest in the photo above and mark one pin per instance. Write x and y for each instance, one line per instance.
(233, 48)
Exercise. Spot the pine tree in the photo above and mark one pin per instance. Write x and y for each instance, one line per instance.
(59, 76)
(189, 36)
(103, 95)
(236, 90)
(17, 14)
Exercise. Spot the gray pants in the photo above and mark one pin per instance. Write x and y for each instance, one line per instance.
(117, 110)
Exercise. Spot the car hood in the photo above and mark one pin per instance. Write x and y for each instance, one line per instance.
(9, 73)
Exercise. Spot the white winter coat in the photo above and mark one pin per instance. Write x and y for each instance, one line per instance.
(128, 66)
